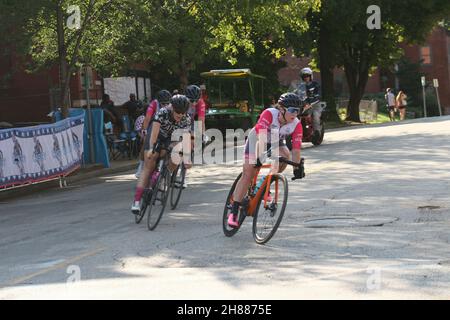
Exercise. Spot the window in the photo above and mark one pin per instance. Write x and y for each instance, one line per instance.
(425, 55)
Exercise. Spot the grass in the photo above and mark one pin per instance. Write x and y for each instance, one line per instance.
(382, 117)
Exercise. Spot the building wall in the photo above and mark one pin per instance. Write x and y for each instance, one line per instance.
(25, 98)
(439, 42)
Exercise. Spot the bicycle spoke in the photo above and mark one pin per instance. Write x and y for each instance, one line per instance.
(270, 213)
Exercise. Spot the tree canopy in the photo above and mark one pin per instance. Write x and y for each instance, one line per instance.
(176, 37)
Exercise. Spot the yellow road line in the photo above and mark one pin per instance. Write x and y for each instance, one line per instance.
(53, 268)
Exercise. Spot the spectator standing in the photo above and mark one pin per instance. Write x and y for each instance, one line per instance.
(132, 107)
(402, 104)
(390, 103)
(110, 114)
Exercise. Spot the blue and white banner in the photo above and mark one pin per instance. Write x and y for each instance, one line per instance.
(40, 153)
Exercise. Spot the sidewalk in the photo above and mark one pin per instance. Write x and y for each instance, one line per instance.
(85, 173)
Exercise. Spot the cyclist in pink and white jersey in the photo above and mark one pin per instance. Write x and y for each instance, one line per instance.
(274, 123)
(197, 111)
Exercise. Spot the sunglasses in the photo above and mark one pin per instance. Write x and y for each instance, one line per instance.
(165, 103)
(293, 110)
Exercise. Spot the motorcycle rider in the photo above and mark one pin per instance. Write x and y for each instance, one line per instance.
(309, 92)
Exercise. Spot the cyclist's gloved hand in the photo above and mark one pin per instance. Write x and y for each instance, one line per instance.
(299, 172)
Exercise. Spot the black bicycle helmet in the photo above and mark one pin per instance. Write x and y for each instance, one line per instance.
(290, 100)
(163, 96)
(193, 93)
(180, 103)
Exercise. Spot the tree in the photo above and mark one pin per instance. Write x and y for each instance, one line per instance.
(344, 40)
(321, 42)
(41, 28)
(53, 39)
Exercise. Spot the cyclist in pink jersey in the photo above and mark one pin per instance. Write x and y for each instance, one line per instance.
(162, 100)
(197, 110)
(274, 123)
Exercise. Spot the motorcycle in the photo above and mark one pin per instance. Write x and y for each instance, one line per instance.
(308, 131)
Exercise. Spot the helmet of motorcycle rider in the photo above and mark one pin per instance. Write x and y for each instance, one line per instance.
(305, 72)
(193, 93)
(180, 103)
(163, 96)
(291, 102)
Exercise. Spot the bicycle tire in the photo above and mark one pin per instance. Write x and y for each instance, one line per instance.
(144, 205)
(177, 186)
(257, 217)
(318, 142)
(153, 217)
(228, 231)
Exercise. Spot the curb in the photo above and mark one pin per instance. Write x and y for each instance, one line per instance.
(54, 184)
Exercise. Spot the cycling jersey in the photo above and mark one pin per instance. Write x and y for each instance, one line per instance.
(168, 123)
(153, 108)
(269, 121)
(197, 112)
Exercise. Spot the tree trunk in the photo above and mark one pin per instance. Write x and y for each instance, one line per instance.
(184, 77)
(326, 72)
(183, 69)
(357, 80)
(63, 67)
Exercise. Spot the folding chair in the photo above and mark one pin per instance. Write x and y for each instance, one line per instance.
(116, 146)
(130, 136)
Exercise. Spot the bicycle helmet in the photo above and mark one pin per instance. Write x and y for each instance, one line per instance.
(180, 103)
(306, 72)
(163, 96)
(193, 93)
(291, 102)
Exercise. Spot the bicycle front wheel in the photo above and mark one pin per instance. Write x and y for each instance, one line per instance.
(146, 198)
(159, 198)
(177, 185)
(270, 210)
(227, 230)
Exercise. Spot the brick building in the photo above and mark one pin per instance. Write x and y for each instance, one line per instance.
(434, 54)
(27, 98)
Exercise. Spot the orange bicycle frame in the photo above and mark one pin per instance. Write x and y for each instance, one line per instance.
(254, 199)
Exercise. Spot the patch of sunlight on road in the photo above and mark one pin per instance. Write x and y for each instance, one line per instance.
(120, 178)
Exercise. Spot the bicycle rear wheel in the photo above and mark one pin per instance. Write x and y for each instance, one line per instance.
(178, 177)
(268, 215)
(158, 201)
(146, 198)
(227, 230)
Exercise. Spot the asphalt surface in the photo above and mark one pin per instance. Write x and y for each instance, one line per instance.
(370, 221)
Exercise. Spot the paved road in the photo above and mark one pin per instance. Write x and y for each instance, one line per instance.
(371, 220)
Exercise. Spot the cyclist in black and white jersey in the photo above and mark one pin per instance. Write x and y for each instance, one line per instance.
(166, 122)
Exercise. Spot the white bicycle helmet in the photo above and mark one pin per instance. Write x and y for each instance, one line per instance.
(306, 72)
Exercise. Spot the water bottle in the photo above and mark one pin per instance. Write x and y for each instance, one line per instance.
(259, 184)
